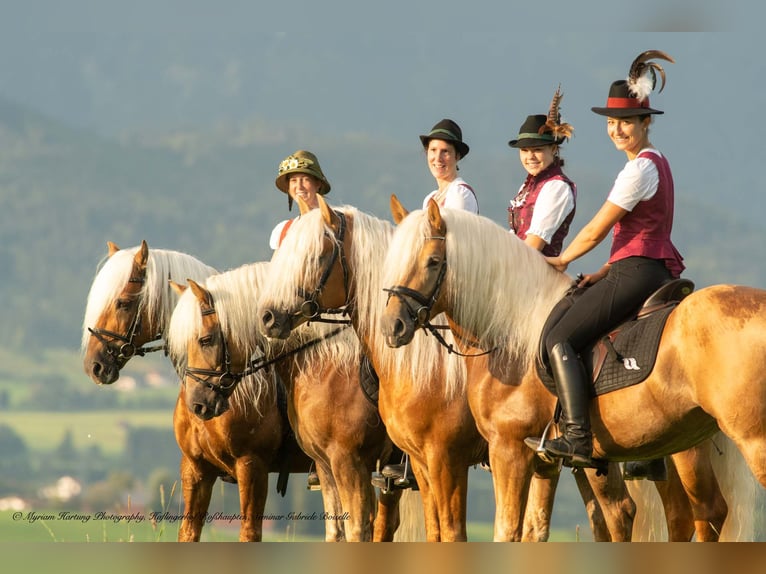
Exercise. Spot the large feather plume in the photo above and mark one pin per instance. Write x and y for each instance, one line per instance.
(552, 124)
(642, 76)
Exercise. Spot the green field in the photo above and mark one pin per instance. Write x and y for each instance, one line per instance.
(42, 431)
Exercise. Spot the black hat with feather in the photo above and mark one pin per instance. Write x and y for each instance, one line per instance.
(540, 130)
(630, 97)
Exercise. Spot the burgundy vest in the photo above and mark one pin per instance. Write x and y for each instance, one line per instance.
(645, 231)
(520, 217)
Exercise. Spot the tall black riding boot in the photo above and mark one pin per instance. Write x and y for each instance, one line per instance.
(572, 387)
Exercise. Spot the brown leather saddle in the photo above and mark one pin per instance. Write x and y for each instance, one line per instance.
(626, 355)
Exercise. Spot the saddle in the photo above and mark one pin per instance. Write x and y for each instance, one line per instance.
(626, 355)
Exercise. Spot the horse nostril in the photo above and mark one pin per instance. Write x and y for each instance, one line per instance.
(399, 327)
(199, 409)
(97, 368)
(267, 319)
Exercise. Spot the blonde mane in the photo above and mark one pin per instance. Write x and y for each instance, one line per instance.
(500, 290)
(297, 263)
(236, 296)
(156, 296)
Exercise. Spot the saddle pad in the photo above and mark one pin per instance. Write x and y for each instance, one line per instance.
(636, 345)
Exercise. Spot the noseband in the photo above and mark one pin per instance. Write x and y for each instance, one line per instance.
(128, 349)
(310, 308)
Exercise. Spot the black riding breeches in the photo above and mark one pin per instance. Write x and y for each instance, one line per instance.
(609, 302)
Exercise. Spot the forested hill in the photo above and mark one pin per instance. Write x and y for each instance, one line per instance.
(210, 192)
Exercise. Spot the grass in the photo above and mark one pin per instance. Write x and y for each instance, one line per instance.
(42, 431)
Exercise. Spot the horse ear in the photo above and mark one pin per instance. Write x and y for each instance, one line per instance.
(112, 248)
(397, 209)
(303, 207)
(142, 255)
(177, 287)
(202, 294)
(329, 216)
(435, 217)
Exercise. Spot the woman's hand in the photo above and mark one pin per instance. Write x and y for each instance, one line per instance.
(557, 263)
(592, 278)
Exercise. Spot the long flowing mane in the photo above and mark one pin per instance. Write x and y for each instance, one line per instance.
(157, 297)
(236, 296)
(297, 263)
(501, 290)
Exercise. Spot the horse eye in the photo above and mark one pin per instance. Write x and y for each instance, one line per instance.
(206, 341)
(123, 303)
(434, 261)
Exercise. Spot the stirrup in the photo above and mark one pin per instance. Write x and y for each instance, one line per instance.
(539, 447)
(312, 481)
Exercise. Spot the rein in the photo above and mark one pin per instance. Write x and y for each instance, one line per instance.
(227, 381)
(422, 315)
(128, 349)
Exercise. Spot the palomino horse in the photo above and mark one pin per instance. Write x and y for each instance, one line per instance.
(130, 304)
(498, 293)
(336, 258)
(215, 327)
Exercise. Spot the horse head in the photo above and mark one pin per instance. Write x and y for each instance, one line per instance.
(312, 269)
(208, 378)
(122, 327)
(416, 296)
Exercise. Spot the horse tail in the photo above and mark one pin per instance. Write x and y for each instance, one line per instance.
(738, 486)
(649, 523)
(412, 523)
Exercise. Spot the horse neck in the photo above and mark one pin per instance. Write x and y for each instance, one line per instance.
(510, 307)
(423, 363)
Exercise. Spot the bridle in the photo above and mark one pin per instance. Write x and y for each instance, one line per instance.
(310, 308)
(224, 381)
(421, 315)
(122, 354)
(221, 381)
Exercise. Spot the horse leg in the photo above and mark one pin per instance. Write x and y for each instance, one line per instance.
(699, 482)
(675, 502)
(357, 495)
(449, 490)
(539, 507)
(512, 469)
(430, 508)
(612, 503)
(387, 516)
(334, 527)
(592, 508)
(253, 483)
(197, 480)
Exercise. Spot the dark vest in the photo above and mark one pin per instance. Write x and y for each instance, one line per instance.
(645, 231)
(520, 212)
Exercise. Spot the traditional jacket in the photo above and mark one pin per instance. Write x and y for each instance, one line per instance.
(645, 231)
(522, 207)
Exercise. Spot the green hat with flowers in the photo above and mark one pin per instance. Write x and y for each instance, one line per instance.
(301, 161)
